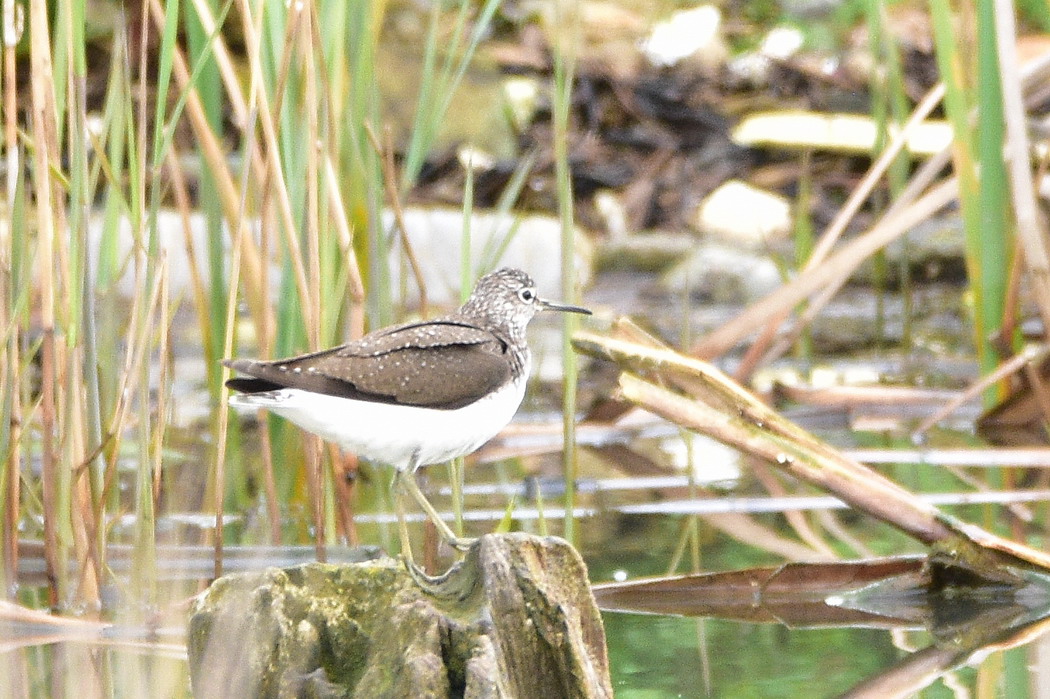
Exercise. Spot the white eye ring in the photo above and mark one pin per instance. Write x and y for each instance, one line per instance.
(527, 295)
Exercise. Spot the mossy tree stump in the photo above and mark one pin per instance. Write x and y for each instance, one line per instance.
(515, 619)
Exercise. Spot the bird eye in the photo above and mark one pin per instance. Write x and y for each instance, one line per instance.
(527, 295)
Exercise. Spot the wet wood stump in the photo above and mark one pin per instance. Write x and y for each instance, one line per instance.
(515, 619)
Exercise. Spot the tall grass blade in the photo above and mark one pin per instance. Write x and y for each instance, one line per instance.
(45, 138)
(959, 105)
(565, 48)
(438, 90)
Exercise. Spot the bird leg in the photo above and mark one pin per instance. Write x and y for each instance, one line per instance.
(407, 480)
(402, 525)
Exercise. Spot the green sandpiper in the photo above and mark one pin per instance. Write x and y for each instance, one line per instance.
(413, 394)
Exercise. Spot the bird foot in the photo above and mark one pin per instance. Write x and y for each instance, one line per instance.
(428, 583)
(460, 543)
(457, 583)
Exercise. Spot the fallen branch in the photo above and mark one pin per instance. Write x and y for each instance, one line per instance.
(698, 396)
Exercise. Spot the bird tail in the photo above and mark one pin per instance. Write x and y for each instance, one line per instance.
(242, 401)
(253, 394)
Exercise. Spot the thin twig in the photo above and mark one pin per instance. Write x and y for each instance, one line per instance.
(385, 152)
(46, 136)
(215, 156)
(835, 230)
(1031, 226)
(837, 267)
(12, 31)
(1032, 353)
(919, 181)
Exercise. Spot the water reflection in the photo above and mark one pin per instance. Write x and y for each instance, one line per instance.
(661, 656)
(921, 627)
(49, 665)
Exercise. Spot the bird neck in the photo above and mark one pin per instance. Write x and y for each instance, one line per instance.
(511, 334)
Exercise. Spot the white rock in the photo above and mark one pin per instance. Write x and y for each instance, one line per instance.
(711, 462)
(436, 236)
(724, 274)
(781, 43)
(744, 214)
(686, 33)
(471, 158)
(610, 207)
(171, 230)
(521, 95)
(843, 133)
(750, 68)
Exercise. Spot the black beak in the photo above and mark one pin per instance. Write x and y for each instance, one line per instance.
(565, 308)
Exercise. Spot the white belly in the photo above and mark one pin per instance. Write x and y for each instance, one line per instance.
(392, 434)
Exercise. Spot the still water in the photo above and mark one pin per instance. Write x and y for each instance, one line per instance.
(651, 656)
(660, 656)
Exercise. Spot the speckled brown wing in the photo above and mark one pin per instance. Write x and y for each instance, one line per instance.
(442, 364)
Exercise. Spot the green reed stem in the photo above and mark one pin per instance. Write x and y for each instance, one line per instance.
(564, 69)
(987, 251)
(438, 89)
(466, 282)
(995, 238)
(804, 240)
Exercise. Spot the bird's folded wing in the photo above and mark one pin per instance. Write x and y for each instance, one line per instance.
(394, 366)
